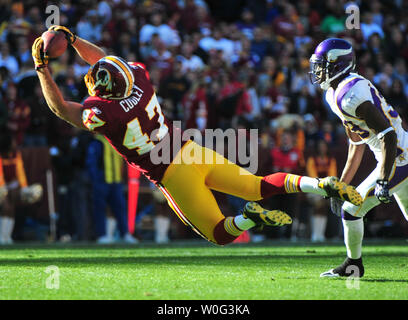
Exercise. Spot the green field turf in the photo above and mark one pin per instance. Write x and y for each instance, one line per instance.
(199, 270)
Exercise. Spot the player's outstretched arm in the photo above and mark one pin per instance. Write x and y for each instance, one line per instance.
(66, 110)
(88, 51)
(354, 157)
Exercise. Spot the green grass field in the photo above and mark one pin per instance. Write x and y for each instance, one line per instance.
(180, 271)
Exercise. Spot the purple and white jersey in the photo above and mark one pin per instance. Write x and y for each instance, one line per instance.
(349, 94)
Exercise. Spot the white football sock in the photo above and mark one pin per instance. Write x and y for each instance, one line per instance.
(318, 227)
(8, 230)
(110, 227)
(2, 229)
(353, 237)
(243, 223)
(311, 185)
(161, 228)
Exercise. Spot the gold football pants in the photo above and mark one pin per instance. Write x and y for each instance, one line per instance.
(188, 181)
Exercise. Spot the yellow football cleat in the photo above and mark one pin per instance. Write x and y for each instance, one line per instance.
(335, 188)
(263, 217)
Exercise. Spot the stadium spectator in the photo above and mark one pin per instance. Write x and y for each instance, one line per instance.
(168, 35)
(247, 24)
(62, 163)
(80, 186)
(189, 61)
(320, 165)
(161, 59)
(40, 116)
(89, 27)
(286, 26)
(217, 41)
(369, 26)
(233, 101)
(173, 88)
(105, 169)
(398, 99)
(18, 114)
(14, 178)
(204, 21)
(197, 108)
(286, 158)
(334, 18)
(7, 60)
(23, 51)
(396, 45)
(261, 46)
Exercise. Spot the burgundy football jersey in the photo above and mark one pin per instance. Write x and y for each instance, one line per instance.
(133, 125)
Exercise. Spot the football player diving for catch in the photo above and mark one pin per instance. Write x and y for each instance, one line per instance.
(124, 108)
(368, 120)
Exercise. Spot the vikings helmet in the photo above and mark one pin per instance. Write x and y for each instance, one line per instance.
(332, 58)
(110, 78)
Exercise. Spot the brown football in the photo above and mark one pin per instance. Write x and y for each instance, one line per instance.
(55, 43)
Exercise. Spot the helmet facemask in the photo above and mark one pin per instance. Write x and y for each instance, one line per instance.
(317, 72)
(89, 82)
(323, 72)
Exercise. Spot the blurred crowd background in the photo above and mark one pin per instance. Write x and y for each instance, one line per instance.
(214, 64)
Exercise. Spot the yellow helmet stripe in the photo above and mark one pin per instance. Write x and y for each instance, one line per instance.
(126, 69)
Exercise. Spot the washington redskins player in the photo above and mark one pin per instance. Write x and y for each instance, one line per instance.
(123, 107)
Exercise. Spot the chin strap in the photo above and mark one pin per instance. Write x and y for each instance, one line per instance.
(356, 143)
(383, 133)
(326, 84)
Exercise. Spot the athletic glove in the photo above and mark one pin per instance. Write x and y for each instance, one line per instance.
(71, 37)
(31, 194)
(382, 191)
(335, 206)
(40, 60)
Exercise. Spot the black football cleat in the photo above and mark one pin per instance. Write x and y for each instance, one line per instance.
(349, 268)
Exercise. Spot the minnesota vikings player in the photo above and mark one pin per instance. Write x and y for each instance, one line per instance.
(368, 120)
(124, 108)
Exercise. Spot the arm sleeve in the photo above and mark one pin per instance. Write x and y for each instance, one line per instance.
(358, 94)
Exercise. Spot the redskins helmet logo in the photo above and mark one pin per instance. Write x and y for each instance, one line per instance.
(103, 78)
(110, 78)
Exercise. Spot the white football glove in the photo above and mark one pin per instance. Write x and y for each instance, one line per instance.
(382, 191)
(31, 194)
